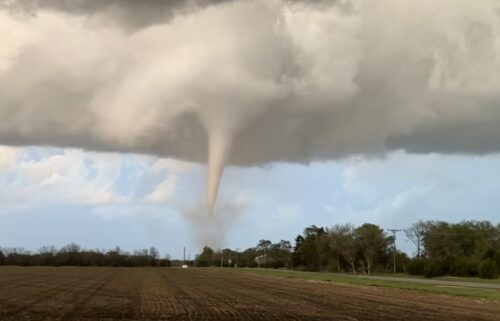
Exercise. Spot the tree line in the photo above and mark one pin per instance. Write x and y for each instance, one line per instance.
(74, 255)
(468, 248)
(265, 254)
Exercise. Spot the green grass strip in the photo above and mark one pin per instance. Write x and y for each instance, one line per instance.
(491, 294)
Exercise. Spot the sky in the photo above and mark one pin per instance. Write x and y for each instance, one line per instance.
(221, 122)
(53, 196)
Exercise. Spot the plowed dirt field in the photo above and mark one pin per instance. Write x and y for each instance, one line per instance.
(91, 294)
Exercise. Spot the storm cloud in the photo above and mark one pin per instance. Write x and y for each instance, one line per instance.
(254, 82)
(131, 14)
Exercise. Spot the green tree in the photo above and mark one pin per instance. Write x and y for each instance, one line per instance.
(279, 254)
(457, 249)
(264, 245)
(206, 257)
(154, 256)
(372, 243)
(312, 247)
(488, 269)
(297, 258)
(343, 243)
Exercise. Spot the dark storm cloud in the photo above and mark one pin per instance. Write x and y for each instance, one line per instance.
(129, 13)
(256, 81)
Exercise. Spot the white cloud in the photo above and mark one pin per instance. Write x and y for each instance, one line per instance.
(166, 190)
(59, 176)
(244, 198)
(71, 176)
(163, 192)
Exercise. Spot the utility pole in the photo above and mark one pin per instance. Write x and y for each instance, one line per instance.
(221, 259)
(394, 231)
(184, 256)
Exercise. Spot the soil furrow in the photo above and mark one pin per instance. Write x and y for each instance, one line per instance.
(128, 294)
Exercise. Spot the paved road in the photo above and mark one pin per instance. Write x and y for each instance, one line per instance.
(427, 281)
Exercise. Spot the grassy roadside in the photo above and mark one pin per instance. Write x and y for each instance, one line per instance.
(491, 294)
(441, 278)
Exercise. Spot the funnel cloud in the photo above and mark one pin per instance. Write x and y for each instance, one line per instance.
(246, 83)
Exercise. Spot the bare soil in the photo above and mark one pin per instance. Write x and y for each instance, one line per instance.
(91, 294)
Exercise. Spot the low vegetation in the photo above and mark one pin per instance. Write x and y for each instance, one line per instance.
(73, 255)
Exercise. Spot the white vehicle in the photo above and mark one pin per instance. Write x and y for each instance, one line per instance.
(184, 266)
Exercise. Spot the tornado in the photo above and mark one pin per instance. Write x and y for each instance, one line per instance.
(218, 148)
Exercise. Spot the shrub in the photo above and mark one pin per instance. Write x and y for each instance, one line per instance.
(301, 268)
(496, 257)
(416, 267)
(433, 269)
(488, 269)
(333, 268)
(464, 267)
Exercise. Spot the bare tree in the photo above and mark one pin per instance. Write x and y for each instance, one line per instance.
(153, 252)
(416, 234)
